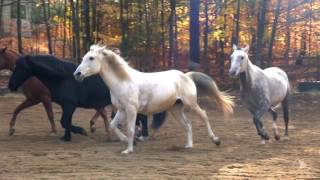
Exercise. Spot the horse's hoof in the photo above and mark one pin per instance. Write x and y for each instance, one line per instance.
(265, 136)
(93, 129)
(277, 137)
(127, 151)
(216, 141)
(84, 133)
(142, 138)
(52, 133)
(188, 146)
(263, 142)
(66, 139)
(286, 138)
(11, 131)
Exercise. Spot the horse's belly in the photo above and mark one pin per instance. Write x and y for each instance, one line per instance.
(157, 102)
(158, 106)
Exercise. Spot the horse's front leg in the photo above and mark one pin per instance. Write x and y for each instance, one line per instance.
(27, 103)
(131, 114)
(259, 126)
(66, 122)
(119, 117)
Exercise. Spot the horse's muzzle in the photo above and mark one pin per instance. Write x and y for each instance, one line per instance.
(233, 74)
(78, 76)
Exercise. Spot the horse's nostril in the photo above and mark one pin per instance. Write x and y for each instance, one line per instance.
(232, 73)
(78, 73)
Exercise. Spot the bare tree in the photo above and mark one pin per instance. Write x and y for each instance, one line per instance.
(288, 34)
(64, 28)
(86, 9)
(171, 32)
(260, 32)
(273, 31)
(194, 45)
(1, 25)
(237, 19)
(19, 27)
(205, 38)
(46, 20)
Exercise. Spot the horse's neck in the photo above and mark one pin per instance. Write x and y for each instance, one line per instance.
(12, 58)
(247, 77)
(114, 78)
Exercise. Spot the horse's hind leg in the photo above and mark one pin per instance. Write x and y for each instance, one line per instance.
(46, 101)
(178, 113)
(204, 117)
(93, 122)
(274, 124)
(285, 107)
(104, 116)
(25, 104)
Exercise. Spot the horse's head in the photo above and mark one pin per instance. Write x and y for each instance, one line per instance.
(8, 58)
(21, 73)
(93, 61)
(239, 60)
(3, 58)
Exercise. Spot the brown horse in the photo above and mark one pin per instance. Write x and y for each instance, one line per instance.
(35, 92)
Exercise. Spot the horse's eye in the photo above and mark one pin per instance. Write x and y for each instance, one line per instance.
(242, 57)
(91, 58)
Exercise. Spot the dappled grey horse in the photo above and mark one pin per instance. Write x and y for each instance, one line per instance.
(261, 90)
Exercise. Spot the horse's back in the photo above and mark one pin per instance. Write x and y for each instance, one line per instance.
(278, 84)
(275, 73)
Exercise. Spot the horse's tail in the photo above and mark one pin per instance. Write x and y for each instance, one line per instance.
(158, 120)
(207, 84)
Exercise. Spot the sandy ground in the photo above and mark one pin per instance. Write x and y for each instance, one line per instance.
(33, 154)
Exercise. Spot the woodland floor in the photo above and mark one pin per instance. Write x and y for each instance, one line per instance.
(33, 154)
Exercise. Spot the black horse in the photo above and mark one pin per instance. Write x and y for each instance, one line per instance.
(57, 75)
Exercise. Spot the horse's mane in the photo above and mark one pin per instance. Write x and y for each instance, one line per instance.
(115, 61)
(50, 65)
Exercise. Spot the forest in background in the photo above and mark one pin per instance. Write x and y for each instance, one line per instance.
(163, 34)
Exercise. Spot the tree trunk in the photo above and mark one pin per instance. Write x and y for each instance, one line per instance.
(147, 63)
(273, 31)
(86, 10)
(19, 28)
(94, 18)
(1, 21)
(171, 32)
(163, 46)
(288, 39)
(222, 45)
(260, 32)
(64, 29)
(176, 47)
(194, 46)
(46, 19)
(124, 46)
(75, 29)
(236, 40)
(205, 39)
(78, 42)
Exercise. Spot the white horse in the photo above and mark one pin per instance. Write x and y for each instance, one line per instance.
(261, 90)
(148, 93)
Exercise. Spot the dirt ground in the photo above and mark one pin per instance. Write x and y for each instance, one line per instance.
(33, 154)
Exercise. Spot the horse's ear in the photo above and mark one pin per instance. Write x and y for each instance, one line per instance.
(117, 51)
(234, 47)
(4, 50)
(246, 49)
